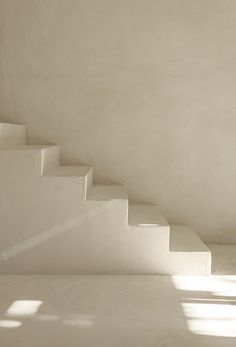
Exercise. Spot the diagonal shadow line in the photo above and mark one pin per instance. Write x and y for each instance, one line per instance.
(48, 234)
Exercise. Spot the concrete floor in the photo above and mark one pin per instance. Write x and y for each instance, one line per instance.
(118, 311)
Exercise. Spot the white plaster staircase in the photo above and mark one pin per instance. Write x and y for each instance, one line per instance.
(55, 220)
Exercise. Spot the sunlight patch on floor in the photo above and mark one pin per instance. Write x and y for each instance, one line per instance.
(29, 309)
(83, 321)
(210, 308)
(23, 308)
(213, 327)
(10, 324)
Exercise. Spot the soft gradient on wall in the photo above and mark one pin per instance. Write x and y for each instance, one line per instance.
(142, 90)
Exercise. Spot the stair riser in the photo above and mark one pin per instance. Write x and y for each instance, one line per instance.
(67, 185)
(28, 162)
(19, 164)
(74, 184)
(89, 182)
(189, 263)
(12, 135)
(116, 211)
(50, 158)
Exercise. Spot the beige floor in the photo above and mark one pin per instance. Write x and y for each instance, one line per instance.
(118, 311)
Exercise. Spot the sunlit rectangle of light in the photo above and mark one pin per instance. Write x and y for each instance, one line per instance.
(213, 327)
(225, 286)
(23, 308)
(208, 299)
(209, 311)
(194, 283)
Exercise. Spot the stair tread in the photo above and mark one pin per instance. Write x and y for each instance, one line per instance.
(26, 147)
(108, 192)
(146, 215)
(184, 239)
(11, 125)
(70, 171)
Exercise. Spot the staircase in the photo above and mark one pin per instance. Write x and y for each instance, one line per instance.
(54, 220)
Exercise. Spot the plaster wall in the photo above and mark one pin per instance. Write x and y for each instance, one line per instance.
(142, 90)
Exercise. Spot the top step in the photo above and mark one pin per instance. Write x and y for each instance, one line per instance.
(184, 239)
(12, 134)
(146, 215)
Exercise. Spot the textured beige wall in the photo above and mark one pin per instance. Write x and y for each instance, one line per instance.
(144, 90)
(7, 109)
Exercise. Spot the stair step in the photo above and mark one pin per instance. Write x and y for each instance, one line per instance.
(223, 259)
(146, 215)
(70, 171)
(184, 239)
(49, 155)
(27, 147)
(188, 253)
(108, 192)
(82, 176)
(12, 134)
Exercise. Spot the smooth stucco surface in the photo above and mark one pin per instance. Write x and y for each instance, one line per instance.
(117, 311)
(142, 90)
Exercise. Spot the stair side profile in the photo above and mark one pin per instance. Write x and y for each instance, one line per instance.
(55, 220)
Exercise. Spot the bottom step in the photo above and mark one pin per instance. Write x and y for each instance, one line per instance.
(188, 254)
(223, 259)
